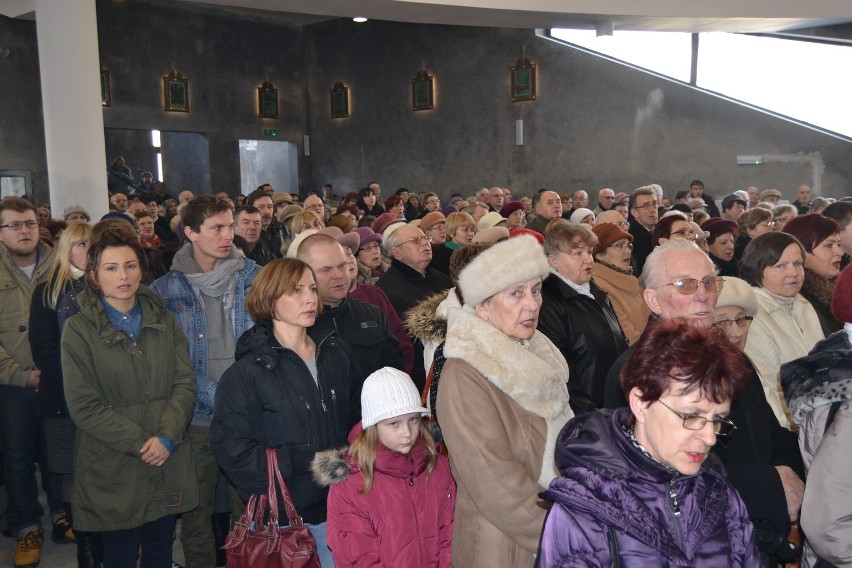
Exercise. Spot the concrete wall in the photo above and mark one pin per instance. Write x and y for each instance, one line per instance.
(596, 123)
(224, 57)
(21, 124)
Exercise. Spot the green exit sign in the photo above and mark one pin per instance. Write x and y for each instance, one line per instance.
(270, 132)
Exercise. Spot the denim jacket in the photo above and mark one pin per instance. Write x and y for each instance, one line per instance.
(188, 309)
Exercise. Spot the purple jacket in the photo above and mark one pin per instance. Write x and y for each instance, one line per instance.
(611, 487)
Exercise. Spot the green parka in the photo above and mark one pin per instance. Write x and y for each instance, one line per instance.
(119, 395)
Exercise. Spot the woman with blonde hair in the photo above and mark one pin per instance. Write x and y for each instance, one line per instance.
(460, 230)
(45, 333)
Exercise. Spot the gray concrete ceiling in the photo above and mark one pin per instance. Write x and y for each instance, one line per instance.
(648, 15)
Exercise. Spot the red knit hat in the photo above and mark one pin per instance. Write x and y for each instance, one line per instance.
(841, 300)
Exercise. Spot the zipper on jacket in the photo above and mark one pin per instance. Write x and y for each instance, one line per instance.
(411, 479)
(675, 508)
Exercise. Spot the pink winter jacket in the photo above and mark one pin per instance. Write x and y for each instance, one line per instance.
(404, 521)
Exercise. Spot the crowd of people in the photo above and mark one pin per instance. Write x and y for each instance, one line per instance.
(499, 381)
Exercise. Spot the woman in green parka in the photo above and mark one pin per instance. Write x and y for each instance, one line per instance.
(130, 390)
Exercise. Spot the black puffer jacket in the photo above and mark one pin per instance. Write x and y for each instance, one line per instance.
(587, 333)
(268, 398)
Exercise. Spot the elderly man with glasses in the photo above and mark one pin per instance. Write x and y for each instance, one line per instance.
(409, 280)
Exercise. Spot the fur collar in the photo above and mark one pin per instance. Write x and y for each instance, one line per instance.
(535, 377)
(818, 288)
(330, 467)
(424, 322)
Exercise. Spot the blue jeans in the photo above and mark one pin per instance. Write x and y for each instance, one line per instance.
(155, 538)
(23, 444)
(326, 561)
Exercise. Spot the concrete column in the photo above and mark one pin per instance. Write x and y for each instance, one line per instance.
(73, 117)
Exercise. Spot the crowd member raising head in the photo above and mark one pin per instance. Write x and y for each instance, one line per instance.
(782, 214)
(368, 202)
(431, 203)
(762, 460)
(672, 227)
(501, 402)
(786, 326)
(395, 205)
(752, 223)
(614, 274)
(371, 263)
(369, 518)
(820, 238)
(460, 230)
(279, 372)
(130, 390)
(576, 315)
(633, 480)
(818, 389)
(723, 233)
(841, 212)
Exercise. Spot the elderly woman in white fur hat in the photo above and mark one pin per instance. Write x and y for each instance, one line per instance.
(502, 400)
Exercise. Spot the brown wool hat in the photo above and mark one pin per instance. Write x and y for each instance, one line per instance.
(607, 234)
(431, 219)
(769, 193)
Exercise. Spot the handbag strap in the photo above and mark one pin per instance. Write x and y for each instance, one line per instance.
(275, 473)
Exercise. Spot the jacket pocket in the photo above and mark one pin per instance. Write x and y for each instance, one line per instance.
(289, 422)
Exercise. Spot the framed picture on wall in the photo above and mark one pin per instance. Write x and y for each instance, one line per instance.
(339, 101)
(106, 96)
(267, 101)
(422, 91)
(523, 80)
(175, 92)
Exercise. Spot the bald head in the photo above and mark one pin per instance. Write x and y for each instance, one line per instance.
(613, 217)
(328, 261)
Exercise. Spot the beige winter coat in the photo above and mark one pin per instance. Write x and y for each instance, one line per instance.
(500, 406)
(777, 335)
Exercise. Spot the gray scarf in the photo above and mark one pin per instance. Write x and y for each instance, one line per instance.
(219, 282)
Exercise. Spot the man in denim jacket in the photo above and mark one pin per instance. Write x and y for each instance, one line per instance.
(206, 291)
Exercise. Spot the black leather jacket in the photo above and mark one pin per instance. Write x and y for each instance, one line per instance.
(268, 398)
(587, 333)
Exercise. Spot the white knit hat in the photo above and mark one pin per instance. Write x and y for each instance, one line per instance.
(505, 264)
(388, 393)
(579, 214)
(293, 251)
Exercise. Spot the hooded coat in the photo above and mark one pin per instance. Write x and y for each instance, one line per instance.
(501, 406)
(612, 496)
(120, 394)
(404, 521)
(811, 385)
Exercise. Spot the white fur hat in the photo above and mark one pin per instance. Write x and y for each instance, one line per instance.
(387, 393)
(736, 292)
(297, 240)
(502, 265)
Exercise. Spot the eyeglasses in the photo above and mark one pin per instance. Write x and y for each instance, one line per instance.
(18, 225)
(722, 426)
(628, 246)
(416, 240)
(687, 234)
(687, 286)
(471, 230)
(770, 224)
(370, 247)
(649, 205)
(742, 321)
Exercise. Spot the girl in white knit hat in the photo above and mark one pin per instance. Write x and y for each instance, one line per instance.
(392, 495)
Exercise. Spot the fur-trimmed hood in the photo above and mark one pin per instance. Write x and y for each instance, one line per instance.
(425, 321)
(330, 467)
(535, 376)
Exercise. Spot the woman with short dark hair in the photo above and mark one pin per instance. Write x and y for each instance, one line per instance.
(638, 485)
(289, 389)
(786, 325)
(576, 315)
(820, 237)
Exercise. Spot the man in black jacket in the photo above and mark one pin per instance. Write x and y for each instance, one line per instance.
(643, 218)
(362, 326)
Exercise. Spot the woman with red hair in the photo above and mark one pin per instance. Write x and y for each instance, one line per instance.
(638, 485)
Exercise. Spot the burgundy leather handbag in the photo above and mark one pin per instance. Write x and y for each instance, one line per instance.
(253, 544)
